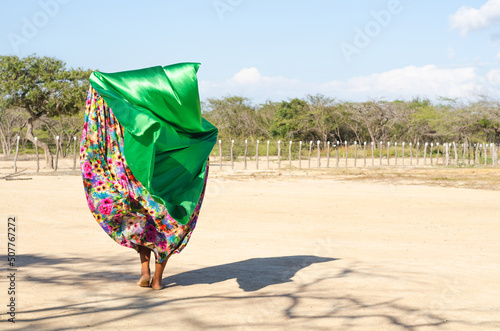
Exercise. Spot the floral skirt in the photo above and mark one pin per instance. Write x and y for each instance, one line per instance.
(121, 205)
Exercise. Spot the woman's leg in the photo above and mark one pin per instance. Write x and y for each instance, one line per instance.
(159, 267)
(145, 255)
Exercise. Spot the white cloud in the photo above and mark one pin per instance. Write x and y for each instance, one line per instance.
(493, 76)
(411, 81)
(404, 83)
(468, 19)
(247, 76)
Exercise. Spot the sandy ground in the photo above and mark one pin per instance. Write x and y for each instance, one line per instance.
(300, 250)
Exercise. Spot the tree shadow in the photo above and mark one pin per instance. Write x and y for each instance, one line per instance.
(265, 305)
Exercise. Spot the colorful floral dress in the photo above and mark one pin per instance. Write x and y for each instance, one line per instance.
(121, 205)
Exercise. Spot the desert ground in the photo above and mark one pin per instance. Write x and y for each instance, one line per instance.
(382, 248)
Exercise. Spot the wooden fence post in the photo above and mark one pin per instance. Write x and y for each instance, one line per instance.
(355, 153)
(220, 154)
(396, 153)
(300, 154)
(309, 157)
(450, 151)
(345, 144)
(337, 152)
(328, 154)
(279, 154)
(373, 157)
(456, 153)
(74, 153)
(388, 150)
(245, 156)
(430, 155)
(468, 152)
(403, 153)
(380, 147)
(446, 157)
(290, 153)
(411, 155)
(57, 153)
(416, 152)
(425, 154)
(232, 155)
(17, 152)
(494, 155)
(267, 153)
(257, 156)
(364, 154)
(437, 155)
(476, 156)
(319, 153)
(37, 155)
(485, 154)
(491, 153)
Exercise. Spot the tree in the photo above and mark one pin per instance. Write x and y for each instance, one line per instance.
(265, 116)
(233, 115)
(11, 119)
(374, 117)
(292, 120)
(323, 113)
(41, 86)
(66, 127)
(490, 118)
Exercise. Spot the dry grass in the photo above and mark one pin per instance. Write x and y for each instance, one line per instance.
(462, 177)
(474, 177)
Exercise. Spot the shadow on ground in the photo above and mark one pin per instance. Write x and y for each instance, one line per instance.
(251, 275)
(312, 298)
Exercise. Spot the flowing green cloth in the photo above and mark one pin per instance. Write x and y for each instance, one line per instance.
(166, 141)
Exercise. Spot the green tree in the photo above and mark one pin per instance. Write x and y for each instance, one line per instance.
(41, 86)
(292, 120)
(423, 121)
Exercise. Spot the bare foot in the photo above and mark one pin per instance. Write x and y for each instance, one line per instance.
(143, 281)
(156, 284)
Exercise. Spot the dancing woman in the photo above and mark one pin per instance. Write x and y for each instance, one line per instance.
(144, 159)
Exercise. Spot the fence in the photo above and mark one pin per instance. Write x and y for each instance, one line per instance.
(292, 155)
(298, 155)
(58, 150)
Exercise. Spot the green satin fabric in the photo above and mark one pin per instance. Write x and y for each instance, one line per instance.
(166, 141)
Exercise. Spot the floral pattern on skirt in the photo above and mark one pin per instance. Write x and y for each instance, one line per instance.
(121, 205)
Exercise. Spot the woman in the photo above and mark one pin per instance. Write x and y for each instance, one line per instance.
(144, 159)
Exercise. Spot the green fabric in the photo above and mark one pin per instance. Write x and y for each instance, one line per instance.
(166, 141)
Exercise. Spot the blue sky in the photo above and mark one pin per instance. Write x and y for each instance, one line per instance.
(265, 49)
